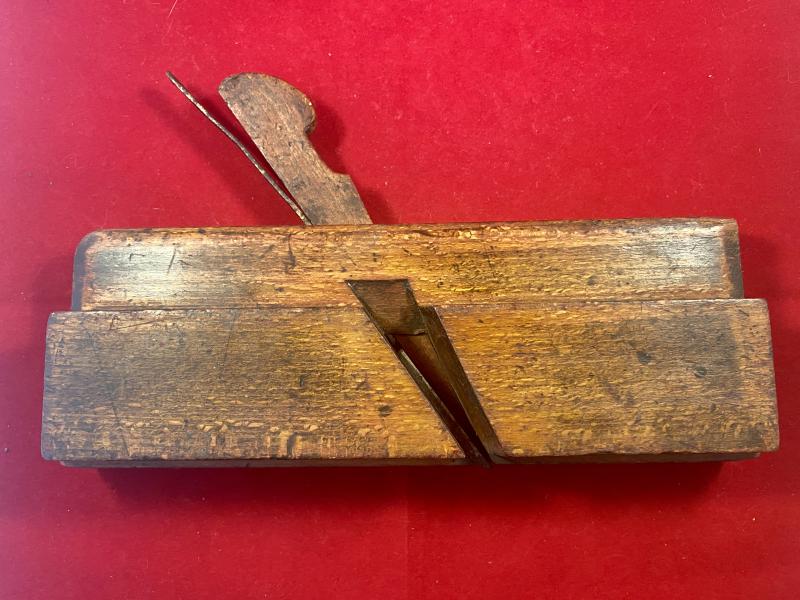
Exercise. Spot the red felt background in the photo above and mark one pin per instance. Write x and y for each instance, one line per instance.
(440, 111)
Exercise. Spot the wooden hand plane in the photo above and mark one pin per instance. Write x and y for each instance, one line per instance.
(344, 342)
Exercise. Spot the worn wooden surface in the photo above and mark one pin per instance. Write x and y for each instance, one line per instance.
(416, 335)
(453, 263)
(232, 385)
(621, 378)
(654, 380)
(278, 116)
(515, 342)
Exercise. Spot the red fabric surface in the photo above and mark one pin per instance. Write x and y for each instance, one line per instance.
(440, 111)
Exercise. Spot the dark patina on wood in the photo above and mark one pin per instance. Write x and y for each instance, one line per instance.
(278, 117)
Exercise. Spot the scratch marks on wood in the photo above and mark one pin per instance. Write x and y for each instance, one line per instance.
(172, 260)
(260, 355)
(586, 378)
(231, 328)
(496, 262)
(291, 261)
(184, 387)
(109, 388)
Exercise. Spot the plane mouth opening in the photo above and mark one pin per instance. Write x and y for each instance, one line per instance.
(419, 340)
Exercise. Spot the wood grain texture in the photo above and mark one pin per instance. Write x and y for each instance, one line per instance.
(391, 305)
(278, 117)
(648, 380)
(232, 385)
(534, 341)
(621, 378)
(411, 331)
(446, 264)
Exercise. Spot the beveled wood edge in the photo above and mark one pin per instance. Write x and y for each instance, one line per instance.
(733, 258)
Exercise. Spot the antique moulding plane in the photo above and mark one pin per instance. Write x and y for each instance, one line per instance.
(344, 342)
